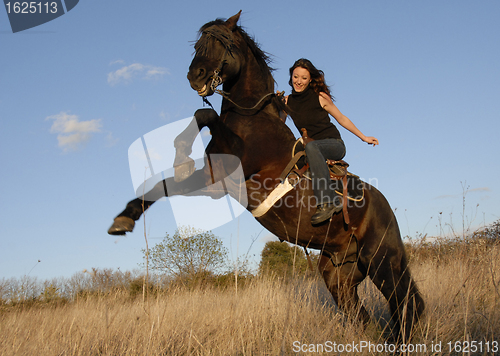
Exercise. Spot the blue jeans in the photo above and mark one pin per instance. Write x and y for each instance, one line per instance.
(317, 153)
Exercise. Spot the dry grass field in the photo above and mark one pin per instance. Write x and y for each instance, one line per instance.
(270, 316)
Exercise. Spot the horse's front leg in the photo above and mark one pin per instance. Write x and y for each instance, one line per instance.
(184, 169)
(125, 221)
(183, 164)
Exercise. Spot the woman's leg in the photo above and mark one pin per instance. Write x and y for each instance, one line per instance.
(317, 153)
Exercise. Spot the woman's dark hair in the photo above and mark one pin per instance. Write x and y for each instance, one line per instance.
(317, 76)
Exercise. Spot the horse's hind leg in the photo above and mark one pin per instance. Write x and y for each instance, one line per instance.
(342, 281)
(392, 276)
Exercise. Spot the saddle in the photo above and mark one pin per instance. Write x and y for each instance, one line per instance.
(345, 184)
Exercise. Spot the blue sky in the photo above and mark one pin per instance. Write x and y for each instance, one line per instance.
(75, 93)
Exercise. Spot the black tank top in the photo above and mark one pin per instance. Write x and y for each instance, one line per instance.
(307, 113)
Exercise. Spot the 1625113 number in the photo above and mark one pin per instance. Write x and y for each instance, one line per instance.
(32, 7)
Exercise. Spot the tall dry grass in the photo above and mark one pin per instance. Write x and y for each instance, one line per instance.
(269, 316)
(264, 318)
(460, 280)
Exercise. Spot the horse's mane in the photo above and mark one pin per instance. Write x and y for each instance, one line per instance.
(263, 58)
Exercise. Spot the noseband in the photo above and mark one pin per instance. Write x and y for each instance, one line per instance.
(225, 37)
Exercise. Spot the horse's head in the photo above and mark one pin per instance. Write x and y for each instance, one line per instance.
(217, 58)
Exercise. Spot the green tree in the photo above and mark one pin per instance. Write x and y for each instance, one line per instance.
(188, 254)
(278, 257)
(50, 293)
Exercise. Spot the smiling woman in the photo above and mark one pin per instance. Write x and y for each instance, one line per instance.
(310, 104)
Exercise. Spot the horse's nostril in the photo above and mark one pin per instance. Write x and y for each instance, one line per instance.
(201, 73)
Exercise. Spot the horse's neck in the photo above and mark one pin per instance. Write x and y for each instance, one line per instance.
(250, 87)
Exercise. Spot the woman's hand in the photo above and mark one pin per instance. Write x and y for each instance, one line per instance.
(371, 140)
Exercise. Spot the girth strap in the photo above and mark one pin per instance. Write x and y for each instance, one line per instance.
(291, 164)
(343, 176)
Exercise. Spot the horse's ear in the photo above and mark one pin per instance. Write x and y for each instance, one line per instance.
(232, 21)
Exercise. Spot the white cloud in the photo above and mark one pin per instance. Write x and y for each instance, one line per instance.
(164, 115)
(474, 190)
(137, 70)
(111, 140)
(155, 72)
(482, 189)
(73, 133)
(154, 155)
(119, 61)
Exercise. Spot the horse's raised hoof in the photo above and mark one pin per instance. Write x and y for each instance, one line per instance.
(121, 225)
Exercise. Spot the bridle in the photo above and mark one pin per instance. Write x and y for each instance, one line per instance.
(226, 39)
(216, 78)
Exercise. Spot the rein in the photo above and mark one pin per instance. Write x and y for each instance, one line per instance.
(217, 81)
(225, 95)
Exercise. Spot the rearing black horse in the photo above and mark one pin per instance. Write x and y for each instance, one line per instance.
(370, 245)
